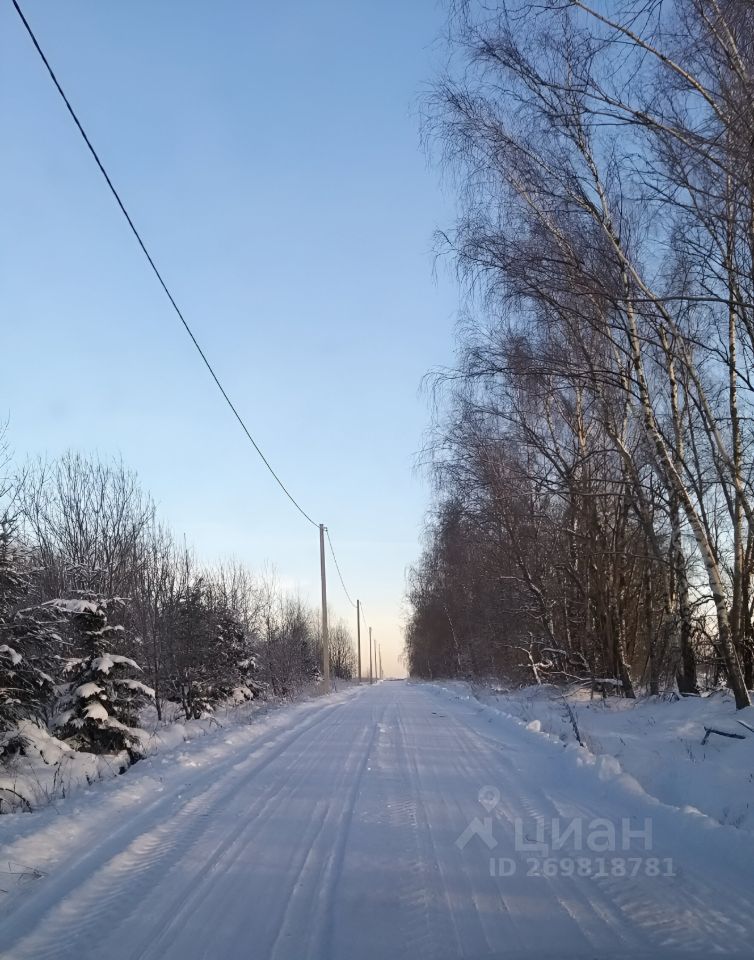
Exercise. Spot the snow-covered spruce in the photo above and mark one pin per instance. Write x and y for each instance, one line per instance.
(24, 691)
(100, 703)
(26, 639)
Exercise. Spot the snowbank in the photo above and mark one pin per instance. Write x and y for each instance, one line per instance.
(655, 742)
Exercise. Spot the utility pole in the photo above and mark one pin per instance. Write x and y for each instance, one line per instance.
(358, 634)
(370, 655)
(380, 656)
(325, 636)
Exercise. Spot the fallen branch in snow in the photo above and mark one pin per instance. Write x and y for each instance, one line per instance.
(744, 724)
(15, 794)
(24, 875)
(572, 717)
(721, 733)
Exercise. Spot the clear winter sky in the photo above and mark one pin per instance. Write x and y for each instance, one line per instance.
(269, 153)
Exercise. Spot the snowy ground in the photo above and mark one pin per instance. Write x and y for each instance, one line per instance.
(401, 820)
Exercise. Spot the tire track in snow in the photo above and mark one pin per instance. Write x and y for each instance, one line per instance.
(322, 893)
(423, 934)
(70, 907)
(428, 756)
(194, 893)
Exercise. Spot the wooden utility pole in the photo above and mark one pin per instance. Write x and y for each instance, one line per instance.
(358, 634)
(379, 652)
(370, 655)
(325, 636)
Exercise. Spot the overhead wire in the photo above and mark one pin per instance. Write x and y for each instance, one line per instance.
(171, 298)
(152, 264)
(337, 567)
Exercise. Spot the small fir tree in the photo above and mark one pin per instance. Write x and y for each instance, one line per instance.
(103, 698)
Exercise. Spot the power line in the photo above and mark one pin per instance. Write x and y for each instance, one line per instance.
(337, 567)
(169, 295)
(363, 615)
(152, 264)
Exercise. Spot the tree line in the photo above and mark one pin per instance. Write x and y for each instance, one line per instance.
(592, 452)
(103, 611)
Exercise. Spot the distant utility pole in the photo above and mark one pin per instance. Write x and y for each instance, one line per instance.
(358, 634)
(370, 655)
(379, 649)
(325, 636)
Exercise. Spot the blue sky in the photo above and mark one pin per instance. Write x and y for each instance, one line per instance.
(270, 155)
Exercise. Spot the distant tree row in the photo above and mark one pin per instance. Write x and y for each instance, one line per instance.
(594, 446)
(102, 612)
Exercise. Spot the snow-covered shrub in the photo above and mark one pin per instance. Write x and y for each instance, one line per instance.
(212, 659)
(14, 581)
(289, 647)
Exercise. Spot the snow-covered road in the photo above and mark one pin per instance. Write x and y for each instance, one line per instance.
(339, 833)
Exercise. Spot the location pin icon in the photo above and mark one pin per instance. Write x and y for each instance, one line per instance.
(489, 797)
